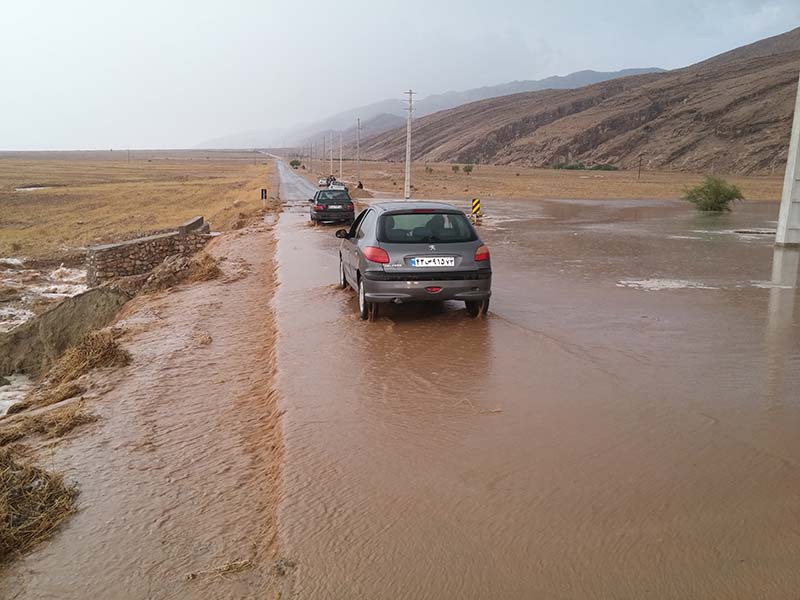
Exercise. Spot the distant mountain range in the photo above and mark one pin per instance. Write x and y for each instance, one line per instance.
(387, 114)
(731, 113)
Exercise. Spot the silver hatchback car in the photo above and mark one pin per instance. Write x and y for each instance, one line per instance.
(414, 251)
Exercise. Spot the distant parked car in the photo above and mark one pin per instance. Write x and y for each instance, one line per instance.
(332, 206)
(337, 185)
(323, 183)
(409, 251)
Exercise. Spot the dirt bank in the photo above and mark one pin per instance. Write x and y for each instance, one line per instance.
(178, 477)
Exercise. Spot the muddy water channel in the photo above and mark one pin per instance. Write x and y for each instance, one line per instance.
(623, 424)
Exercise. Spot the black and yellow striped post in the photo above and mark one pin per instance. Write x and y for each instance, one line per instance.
(476, 210)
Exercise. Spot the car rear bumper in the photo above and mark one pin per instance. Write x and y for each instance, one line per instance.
(396, 290)
(332, 215)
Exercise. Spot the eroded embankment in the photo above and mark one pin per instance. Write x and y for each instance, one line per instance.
(178, 476)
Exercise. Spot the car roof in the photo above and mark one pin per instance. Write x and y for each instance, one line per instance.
(401, 205)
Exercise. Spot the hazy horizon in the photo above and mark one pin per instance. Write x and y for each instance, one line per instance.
(100, 75)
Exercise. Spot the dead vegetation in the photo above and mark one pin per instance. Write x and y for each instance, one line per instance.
(98, 198)
(52, 423)
(203, 267)
(33, 503)
(182, 269)
(97, 349)
(234, 566)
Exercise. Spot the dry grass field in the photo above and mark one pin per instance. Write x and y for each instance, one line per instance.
(97, 197)
(487, 181)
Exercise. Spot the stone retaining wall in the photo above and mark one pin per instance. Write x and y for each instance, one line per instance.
(138, 256)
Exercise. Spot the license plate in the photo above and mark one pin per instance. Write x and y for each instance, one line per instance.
(433, 261)
(334, 206)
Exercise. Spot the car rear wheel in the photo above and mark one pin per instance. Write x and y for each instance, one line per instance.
(366, 310)
(477, 308)
(342, 278)
(363, 305)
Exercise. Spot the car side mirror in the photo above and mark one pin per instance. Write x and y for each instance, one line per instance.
(342, 234)
(310, 199)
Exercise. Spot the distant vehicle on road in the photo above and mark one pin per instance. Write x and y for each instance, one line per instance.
(323, 183)
(414, 251)
(332, 206)
(337, 185)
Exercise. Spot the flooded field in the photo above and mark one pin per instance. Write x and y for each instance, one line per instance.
(623, 424)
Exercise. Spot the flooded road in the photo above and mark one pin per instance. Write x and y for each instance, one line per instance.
(623, 424)
(178, 477)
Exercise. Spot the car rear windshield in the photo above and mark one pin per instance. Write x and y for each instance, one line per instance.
(334, 195)
(428, 227)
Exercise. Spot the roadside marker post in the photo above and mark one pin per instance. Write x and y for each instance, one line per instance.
(264, 198)
(476, 211)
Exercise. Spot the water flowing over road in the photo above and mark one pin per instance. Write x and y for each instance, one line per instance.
(623, 424)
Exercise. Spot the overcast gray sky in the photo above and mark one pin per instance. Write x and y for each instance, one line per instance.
(170, 74)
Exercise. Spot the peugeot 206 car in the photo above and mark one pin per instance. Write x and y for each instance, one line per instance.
(414, 251)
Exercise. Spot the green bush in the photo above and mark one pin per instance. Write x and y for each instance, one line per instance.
(467, 169)
(604, 168)
(428, 169)
(570, 166)
(455, 168)
(713, 195)
(295, 163)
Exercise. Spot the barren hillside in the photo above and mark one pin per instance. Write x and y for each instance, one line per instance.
(731, 113)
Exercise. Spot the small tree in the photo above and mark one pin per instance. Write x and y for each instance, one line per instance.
(455, 168)
(467, 169)
(428, 169)
(713, 195)
(294, 164)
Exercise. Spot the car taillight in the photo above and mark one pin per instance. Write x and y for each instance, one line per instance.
(481, 254)
(349, 207)
(377, 255)
(319, 207)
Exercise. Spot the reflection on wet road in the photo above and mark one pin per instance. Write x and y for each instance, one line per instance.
(591, 438)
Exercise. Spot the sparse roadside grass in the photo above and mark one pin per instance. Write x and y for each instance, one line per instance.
(438, 180)
(96, 198)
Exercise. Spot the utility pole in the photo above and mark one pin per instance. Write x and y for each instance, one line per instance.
(331, 151)
(788, 232)
(129, 155)
(358, 149)
(639, 175)
(410, 109)
(323, 153)
(340, 155)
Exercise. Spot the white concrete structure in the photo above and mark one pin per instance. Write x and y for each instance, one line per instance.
(788, 233)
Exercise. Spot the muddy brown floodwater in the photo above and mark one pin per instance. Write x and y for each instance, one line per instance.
(624, 424)
(178, 478)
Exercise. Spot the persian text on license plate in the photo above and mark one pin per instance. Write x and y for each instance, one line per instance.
(433, 261)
